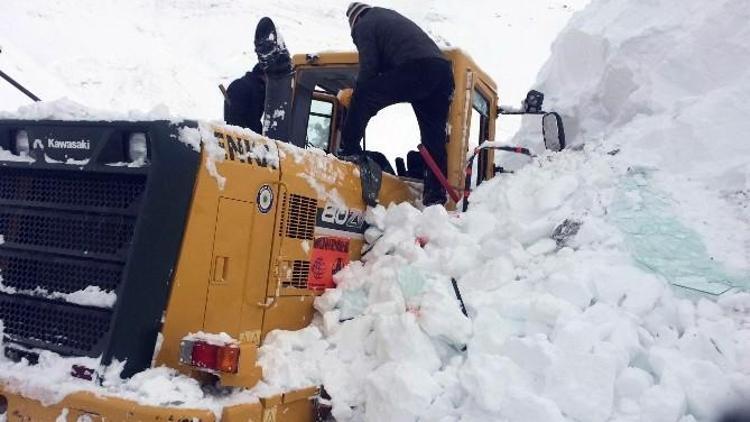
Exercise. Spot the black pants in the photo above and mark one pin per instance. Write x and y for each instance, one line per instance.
(246, 102)
(428, 85)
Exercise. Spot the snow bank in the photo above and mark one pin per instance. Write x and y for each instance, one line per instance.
(579, 322)
(666, 86)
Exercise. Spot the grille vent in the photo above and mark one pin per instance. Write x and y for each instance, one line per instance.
(298, 217)
(298, 277)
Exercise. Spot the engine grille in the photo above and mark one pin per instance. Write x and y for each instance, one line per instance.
(63, 231)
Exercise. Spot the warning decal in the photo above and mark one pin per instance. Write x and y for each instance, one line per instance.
(329, 256)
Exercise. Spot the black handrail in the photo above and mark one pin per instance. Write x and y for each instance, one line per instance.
(19, 86)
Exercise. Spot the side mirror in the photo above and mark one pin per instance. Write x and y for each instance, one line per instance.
(553, 132)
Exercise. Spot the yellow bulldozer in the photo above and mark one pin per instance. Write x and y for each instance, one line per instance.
(204, 269)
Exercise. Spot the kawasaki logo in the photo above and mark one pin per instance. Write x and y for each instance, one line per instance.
(55, 144)
(82, 144)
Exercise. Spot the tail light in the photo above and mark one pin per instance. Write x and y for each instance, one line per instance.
(210, 356)
(204, 355)
(228, 359)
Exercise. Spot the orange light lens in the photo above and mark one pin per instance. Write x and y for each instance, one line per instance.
(228, 359)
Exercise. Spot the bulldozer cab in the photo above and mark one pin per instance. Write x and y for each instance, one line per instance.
(317, 116)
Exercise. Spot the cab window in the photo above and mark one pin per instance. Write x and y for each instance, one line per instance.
(319, 124)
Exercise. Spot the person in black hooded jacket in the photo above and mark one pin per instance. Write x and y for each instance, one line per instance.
(245, 100)
(399, 63)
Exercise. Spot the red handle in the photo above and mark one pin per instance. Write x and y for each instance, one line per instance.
(439, 174)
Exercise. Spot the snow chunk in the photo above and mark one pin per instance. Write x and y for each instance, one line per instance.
(582, 385)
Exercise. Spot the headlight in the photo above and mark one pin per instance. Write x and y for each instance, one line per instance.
(137, 148)
(22, 143)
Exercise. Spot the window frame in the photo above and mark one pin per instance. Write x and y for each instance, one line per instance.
(305, 83)
(484, 157)
(333, 127)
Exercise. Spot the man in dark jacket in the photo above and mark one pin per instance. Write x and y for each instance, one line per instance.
(399, 63)
(245, 100)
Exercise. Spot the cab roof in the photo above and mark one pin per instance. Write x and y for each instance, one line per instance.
(328, 58)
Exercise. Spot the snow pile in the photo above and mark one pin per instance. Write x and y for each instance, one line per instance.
(647, 72)
(558, 330)
(667, 88)
(574, 322)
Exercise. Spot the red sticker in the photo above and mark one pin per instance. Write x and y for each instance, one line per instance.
(329, 256)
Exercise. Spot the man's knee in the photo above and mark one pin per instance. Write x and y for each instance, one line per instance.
(366, 99)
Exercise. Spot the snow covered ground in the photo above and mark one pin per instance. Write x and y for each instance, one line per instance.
(587, 327)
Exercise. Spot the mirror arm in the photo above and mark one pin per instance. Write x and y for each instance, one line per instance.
(508, 112)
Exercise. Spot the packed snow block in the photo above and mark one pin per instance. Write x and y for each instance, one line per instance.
(632, 383)
(399, 338)
(524, 406)
(98, 206)
(351, 340)
(553, 194)
(534, 354)
(582, 385)
(489, 379)
(440, 315)
(713, 341)
(705, 388)
(399, 392)
(492, 331)
(662, 403)
(494, 273)
(572, 289)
